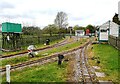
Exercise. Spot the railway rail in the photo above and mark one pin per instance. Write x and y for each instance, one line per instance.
(40, 49)
(83, 72)
(41, 60)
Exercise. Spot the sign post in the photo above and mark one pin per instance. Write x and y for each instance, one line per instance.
(70, 32)
(8, 73)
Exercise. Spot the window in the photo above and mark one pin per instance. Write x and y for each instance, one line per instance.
(103, 30)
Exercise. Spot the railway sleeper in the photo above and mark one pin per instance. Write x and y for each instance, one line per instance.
(88, 80)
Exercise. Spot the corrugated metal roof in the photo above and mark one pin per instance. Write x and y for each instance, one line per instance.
(107, 24)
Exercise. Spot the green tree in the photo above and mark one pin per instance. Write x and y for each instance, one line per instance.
(31, 30)
(116, 19)
(50, 29)
(91, 28)
(76, 27)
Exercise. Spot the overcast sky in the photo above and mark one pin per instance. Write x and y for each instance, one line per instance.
(43, 12)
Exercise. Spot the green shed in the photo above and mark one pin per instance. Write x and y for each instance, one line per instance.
(11, 27)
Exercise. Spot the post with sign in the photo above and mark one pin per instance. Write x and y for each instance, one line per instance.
(8, 73)
(70, 31)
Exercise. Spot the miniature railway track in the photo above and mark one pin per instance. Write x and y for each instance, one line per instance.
(45, 48)
(86, 74)
(83, 72)
(41, 60)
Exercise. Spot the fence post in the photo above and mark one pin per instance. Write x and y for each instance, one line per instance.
(8, 73)
(116, 41)
(108, 39)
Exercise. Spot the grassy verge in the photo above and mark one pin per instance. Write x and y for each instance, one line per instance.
(37, 46)
(25, 58)
(47, 73)
(108, 57)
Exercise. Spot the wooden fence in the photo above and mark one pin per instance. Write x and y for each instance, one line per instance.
(114, 41)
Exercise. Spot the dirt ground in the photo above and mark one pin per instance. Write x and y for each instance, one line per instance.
(70, 71)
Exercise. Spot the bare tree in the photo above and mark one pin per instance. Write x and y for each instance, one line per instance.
(61, 20)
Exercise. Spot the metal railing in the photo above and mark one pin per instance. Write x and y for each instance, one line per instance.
(23, 41)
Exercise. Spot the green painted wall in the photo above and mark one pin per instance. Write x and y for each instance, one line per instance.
(11, 27)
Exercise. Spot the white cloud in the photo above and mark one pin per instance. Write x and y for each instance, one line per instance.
(43, 12)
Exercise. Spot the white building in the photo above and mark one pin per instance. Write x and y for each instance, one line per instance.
(119, 10)
(79, 32)
(106, 29)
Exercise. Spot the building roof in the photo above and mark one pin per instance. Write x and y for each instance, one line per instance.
(107, 24)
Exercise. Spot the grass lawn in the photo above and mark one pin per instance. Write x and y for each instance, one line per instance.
(25, 58)
(46, 73)
(109, 60)
(37, 46)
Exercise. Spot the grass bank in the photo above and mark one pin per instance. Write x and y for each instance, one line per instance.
(48, 73)
(45, 73)
(109, 61)
(37, 46)
(48, 52)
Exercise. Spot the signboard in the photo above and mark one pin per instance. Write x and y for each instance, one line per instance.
(11, 27)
